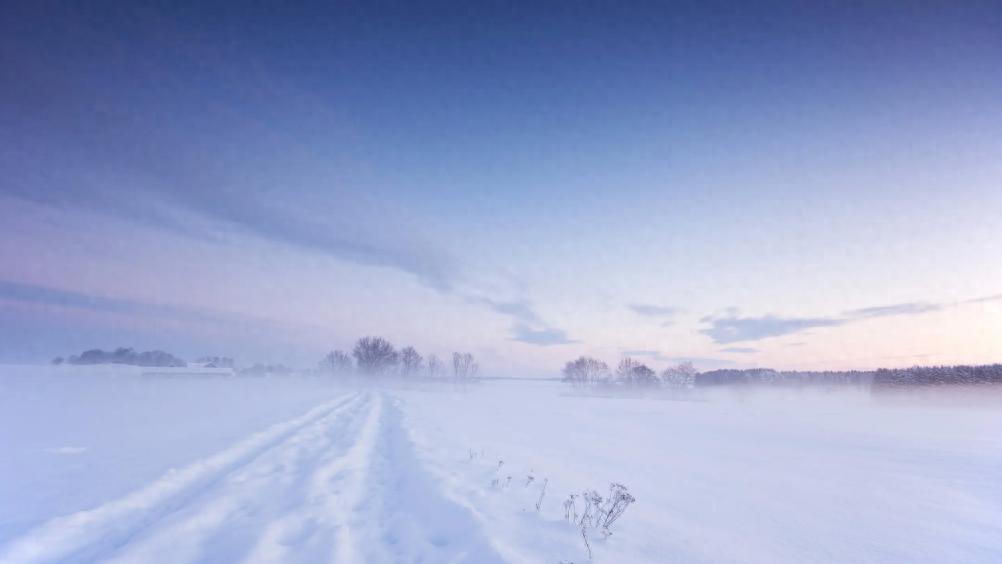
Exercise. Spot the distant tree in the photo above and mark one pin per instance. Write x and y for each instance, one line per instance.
(463, 367)
(585, 370)
(633, 374)
(123, 355)
(93, 356)
(625, 371)
(156, 358)
(374, 356)
(644, 377)
(221, 362)
(434, 366)
(336, 362)
(682, 376)
(126, 355)
(57, 361)
(410, 362)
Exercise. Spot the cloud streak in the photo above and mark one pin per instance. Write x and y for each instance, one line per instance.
(996, 297)
(702, 362)
(52, 297)
(648, 310)
(540, 337)
(734, 329)
(911, 308)
(641, 353)
(527, 327)
(731, 328)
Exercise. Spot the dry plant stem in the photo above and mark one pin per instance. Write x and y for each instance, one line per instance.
(541, 494)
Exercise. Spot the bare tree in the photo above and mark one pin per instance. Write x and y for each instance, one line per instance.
(585, 370)
(374, 356)
(463, 366)
(625, 371)
(633, 374)
(410, 362)
(680, 377)
(336, 362)
(434, 366)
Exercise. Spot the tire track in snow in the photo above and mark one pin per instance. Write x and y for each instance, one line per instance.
(319, 530)
(408, 516)
(340, 484)
(222, 523)
(84, 535)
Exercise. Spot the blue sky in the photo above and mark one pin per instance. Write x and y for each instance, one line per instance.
(745, 184)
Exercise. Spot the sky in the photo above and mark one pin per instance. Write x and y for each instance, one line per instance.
(742, 184)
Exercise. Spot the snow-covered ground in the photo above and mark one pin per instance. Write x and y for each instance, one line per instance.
(105, 466)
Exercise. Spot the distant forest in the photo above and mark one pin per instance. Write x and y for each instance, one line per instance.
(123, 355)
(880, 378)
(631, 373)
(129, 356)
(770, 377)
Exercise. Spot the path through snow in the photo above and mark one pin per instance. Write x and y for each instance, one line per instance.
(338, 484)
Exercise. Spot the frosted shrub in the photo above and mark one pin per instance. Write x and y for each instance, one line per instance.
(617, 502)
(598, 511)
(571, 509)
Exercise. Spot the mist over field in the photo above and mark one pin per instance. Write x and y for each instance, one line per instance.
(519, 282)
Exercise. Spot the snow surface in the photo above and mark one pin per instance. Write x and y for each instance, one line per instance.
(102, 465)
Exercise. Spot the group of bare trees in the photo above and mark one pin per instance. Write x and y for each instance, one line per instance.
(630, 373)
(124, 355)
(375, 356)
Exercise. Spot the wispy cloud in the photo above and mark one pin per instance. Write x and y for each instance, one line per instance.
(641, 353)
(734, 329)
(910, 308)
(653, 310)
(740, 350)
(731, 328)
(540, 337)
(527, 326)
(996, 297)
(520, 309)
(353, 244)
(701, 362)
(45, 296)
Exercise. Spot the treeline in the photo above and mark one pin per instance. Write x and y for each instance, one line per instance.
(629, 373)
(938, 376)
(375, 356)
(770, 377)
(123, 355)
(219, 361)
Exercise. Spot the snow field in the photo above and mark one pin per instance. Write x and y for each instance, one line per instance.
(337, 484)
(381, 476)
(720, 481)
